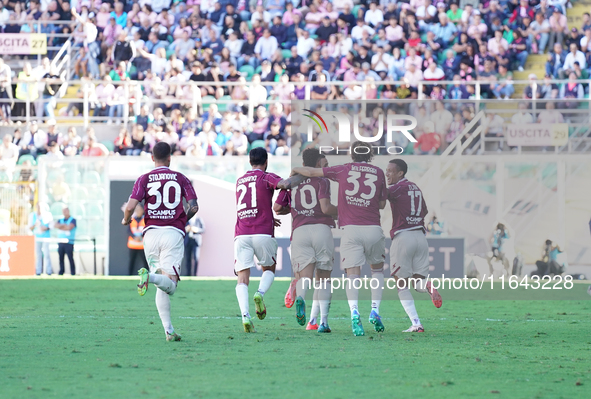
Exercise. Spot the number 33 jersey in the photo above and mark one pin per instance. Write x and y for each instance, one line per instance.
(408, 207)
(254, 203)
(162, 191)
(362, 187)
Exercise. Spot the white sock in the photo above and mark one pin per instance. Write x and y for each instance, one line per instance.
(163, 282)
(163, 306)
(242, 295)
(408, 303)
(324, 296)
(376, 293)
(421, 286)
(352, 293)
(315, 307)
(266, 281)
(302, 286)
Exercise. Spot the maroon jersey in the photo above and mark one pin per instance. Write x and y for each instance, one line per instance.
(162, 191)
(254, 203)
(408, 207)
(362, 187)
(304, 201)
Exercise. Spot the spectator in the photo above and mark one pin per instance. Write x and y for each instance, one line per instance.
(428, 142)
(52, 85)
(5, 90)
(94, 149)
(558, 27)
(9, 153)
(550, 115)
(539, 33)
(522, 116)
(572, 90)
(34, 141)
(39, 223)
(575, 55)
(556, 60)
(67, 231)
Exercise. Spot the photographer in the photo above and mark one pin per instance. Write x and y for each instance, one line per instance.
(553, 261)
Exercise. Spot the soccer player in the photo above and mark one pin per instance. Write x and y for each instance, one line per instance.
(362, 193)
(254, 231)
(312, 244)
(162, 190)
(409, 252)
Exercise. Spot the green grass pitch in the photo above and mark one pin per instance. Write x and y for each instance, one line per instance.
(75, 338)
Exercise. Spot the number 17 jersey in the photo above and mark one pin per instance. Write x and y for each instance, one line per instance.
(362, 187)
(162, 191)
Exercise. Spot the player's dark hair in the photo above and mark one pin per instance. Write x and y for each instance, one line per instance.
(361, 152)
(310, 156)
(258, 156)
(401, 165)
(161, 151)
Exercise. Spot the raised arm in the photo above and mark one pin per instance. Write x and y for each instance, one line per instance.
(308, 171)
(193, 209)
(291, 182)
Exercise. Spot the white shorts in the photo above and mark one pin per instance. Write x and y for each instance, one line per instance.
(361, 244)
(312, 243)
(409, 254)
(164, 249)
(247, 247)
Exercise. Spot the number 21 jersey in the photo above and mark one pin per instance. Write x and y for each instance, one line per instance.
(254, 203)
(362, 187)
(162, 191)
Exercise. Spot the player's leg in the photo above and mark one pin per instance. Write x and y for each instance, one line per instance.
(315, 311)
(164, 251)
(420, 267)
(324, 296)
(265, 249)
(352, 258)
(302, 287)
(243, 261)
(302, 255)
(375, 254)
(401, 252)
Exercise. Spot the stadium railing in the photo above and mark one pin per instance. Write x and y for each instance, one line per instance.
(134, 94)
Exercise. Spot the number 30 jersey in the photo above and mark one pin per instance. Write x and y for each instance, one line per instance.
(408, 207)
(162, 191)
(254, 203)
(362, 187)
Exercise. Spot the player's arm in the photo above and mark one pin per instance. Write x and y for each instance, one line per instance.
(128, 211)
(291, 182)
(308, 171)
(193, 208)
(327, 207)
(383, 204)
(280, 209)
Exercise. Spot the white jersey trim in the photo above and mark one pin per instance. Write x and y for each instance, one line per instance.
(409, 229)
(253, 235)
(164, 227)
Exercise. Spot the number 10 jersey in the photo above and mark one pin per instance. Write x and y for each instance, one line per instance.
(162, 191)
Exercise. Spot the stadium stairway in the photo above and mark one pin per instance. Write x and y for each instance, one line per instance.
(536, 62)
(62, 105)
(574, 15)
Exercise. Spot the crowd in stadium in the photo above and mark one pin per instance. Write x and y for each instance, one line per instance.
(166, 43)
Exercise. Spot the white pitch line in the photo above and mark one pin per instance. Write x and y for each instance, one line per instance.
(284, 318)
